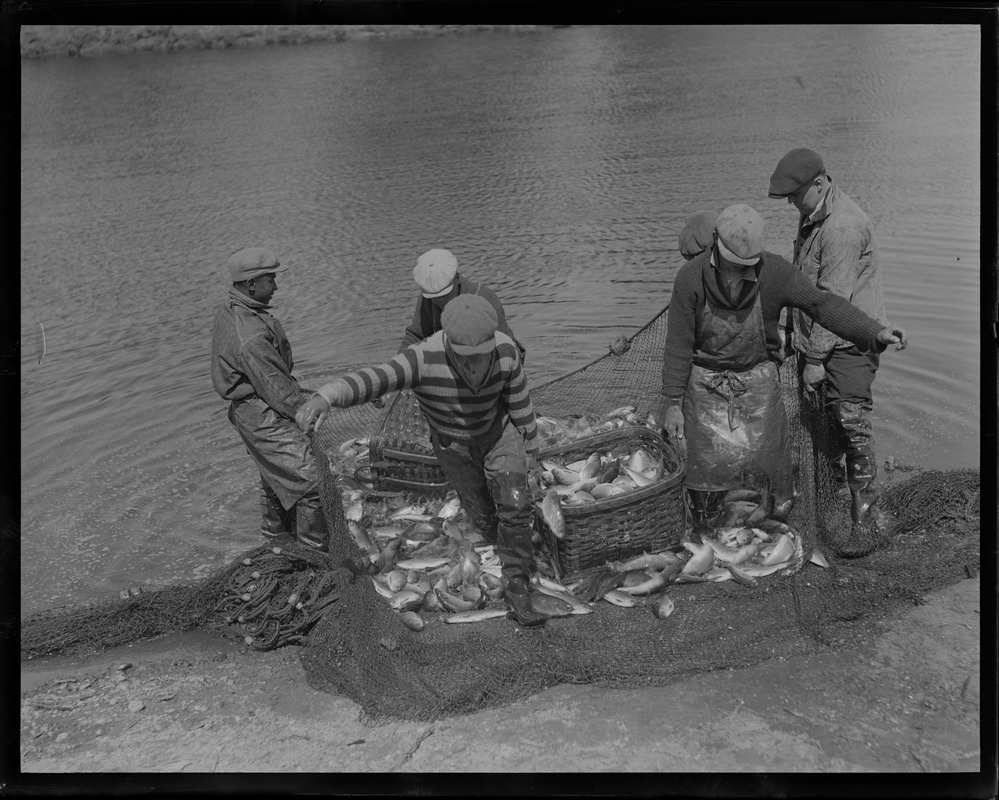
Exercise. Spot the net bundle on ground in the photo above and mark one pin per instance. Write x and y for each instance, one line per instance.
(357, 646)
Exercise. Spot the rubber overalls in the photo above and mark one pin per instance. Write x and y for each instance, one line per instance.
(734, 419)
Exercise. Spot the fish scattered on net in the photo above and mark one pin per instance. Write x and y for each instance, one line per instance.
(356, 644)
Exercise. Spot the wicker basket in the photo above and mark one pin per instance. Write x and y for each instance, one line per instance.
(400, 455)
(646, 519)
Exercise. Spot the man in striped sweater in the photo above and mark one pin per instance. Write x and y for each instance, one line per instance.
(720, 381)
(471, 387)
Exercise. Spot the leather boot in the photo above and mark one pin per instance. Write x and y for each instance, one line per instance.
(310, 523)
(519, 601)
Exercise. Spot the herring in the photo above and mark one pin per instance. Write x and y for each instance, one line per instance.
(663, 607)
(478, 615)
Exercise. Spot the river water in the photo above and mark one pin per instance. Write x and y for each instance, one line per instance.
(558, 165)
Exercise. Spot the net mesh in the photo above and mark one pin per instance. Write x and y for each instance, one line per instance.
(356, 645)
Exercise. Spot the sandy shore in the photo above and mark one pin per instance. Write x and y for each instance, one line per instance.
(40, 41)
(908, 702)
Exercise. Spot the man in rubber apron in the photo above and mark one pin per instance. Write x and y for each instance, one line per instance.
(723, 349)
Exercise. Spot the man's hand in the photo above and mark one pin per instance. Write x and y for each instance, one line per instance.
(893, 335)
(673, 428)
(312, 413)
(813, 375)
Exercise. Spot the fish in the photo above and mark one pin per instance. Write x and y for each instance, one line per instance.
(741, 576)
(782, 550)
(453, 603)
(657, 561)
(640, 460)
(701, 559)
(736, 513)
(469, 565)
(406, 600)
(431, 602)
(550, 605)
(388, 531)
(658, 581)
(641, 480)
(591, 468)
(604, 490)
(620, 411)
(473, 593)
(734, 537)
(417, 513)
(760, 571)
(354, 511)
(762, 511)
(581, 498)
(624, 482)
(619, 598)
(593, 583)
(478, 615)
(423, 531)
(551, 513)
(362, 540)
(610, 472)
(452, 530)
(730, 556)
(382, 589)
(449, 509)
(663, 607)
(396, 580)
(412, 620)
(565, 477)
(422, 563)
(747, 495)
(386, 560)
(578, 607)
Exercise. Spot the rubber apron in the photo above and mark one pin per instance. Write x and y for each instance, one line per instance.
(734, 419)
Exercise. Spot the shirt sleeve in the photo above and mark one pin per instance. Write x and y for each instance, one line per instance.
(269, 376)
(841, 252)
(681, 322)
(400, 372)
(832, 312)
(519, 406)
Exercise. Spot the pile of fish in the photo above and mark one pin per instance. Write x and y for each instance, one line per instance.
(554, 432)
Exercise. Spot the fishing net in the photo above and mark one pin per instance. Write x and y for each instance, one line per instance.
(355, 644)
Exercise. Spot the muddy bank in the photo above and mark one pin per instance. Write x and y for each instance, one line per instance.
(908, 702)
(40, 41)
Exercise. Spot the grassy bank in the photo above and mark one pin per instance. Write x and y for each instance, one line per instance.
(41, 41)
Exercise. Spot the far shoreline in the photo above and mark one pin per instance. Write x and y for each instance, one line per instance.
(86, 41)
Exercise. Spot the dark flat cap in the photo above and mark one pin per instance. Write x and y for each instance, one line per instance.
(795, 170)
(697, 234)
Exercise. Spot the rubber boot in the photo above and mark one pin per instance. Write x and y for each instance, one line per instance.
(704, 508)
(275, 518)
(310, 523)
(861, 476)
(519, 601)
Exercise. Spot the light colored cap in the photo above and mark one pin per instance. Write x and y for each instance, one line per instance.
(741, 234)
(434, 272)
(252, 262)
(470, 322)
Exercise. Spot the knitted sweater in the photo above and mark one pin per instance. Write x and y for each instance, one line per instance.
(451, 406)
(778, 284)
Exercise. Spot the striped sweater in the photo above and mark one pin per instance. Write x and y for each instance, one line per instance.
(450, 405)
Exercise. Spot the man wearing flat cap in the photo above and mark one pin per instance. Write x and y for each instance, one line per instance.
(720, 382)
(436, 273)
(835, 249)
(251, 369)
(698, 234)
(472, 390)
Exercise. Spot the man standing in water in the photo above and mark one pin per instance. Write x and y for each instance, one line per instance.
(720, 381)
(836, 251)
(251, 368)
(472, 389)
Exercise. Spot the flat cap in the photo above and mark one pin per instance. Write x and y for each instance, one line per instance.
(697, 234)
(741, 234)
(470, 323)
(795, 170)
(252, 262)
(434, 272)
